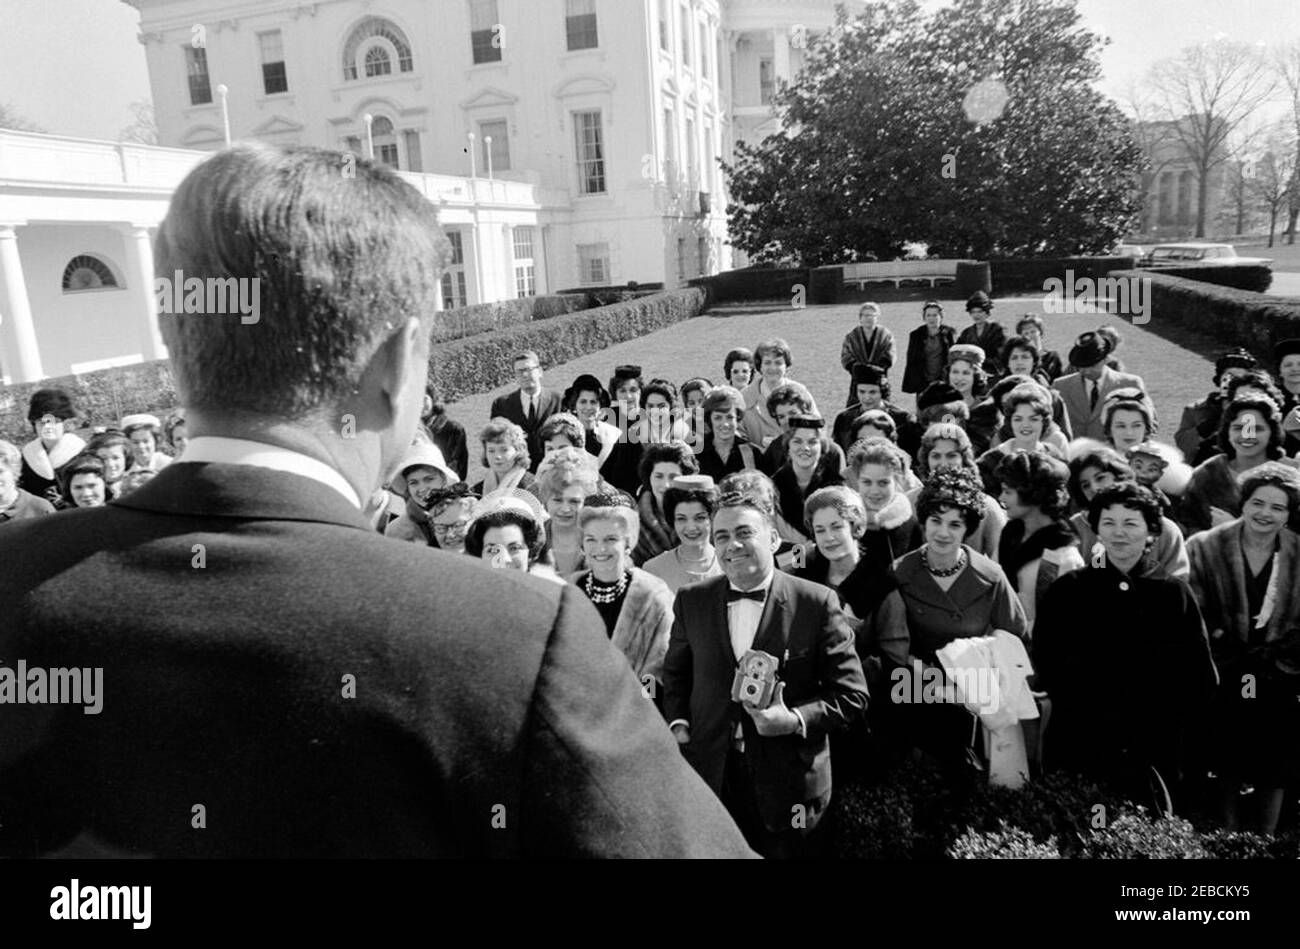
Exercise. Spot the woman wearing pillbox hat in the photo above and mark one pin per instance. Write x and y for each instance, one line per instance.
(689, 504)
(45, 456)
(145, 434)
(986, 333)
(809, 466)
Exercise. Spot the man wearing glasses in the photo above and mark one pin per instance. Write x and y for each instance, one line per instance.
(528, 406)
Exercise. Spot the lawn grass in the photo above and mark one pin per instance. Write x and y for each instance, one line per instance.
(1175, 367)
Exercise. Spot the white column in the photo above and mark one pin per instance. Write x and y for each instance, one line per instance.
(139, 280)
(781, 52)
(17, 331)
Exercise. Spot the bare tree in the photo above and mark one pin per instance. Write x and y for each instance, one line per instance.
(144, 130)
(1275, 175)
(10, 119)
(1156, 139)
(1286, 64)
(1208, 91)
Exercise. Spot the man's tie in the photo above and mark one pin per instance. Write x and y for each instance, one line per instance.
(532, 413)
(1094, 392)
(733, 595)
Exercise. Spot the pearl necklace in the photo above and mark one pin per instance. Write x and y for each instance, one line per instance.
(606, 592)
(948, 572)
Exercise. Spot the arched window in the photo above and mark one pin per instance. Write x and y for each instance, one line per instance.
(85, 272)
(372, 47)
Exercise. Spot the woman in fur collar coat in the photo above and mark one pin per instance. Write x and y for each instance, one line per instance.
(45, 456)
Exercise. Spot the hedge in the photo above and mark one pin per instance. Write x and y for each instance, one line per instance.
(101, 397)
(468, 366)
(1254, 321)
(485, 317)
(1018, 275)
(753, 283)
(460, 367)
(1255, 277)
(917, 812)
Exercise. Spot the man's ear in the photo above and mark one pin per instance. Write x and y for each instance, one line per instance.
(403, 358)
(776, 539)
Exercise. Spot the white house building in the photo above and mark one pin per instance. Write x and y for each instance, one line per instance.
(568, 143)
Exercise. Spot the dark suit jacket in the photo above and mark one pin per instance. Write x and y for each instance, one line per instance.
(802, 622)
(914, 375)
(511, 406)
(321, 691)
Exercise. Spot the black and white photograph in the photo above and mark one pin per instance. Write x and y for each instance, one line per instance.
(862, 433)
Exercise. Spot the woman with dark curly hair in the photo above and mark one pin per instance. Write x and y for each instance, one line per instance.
(945, 591)
(1093, 470)
(726, 450)
(506, 532)
(1028, 409)
(1038, 544)
(83, 482)
(1127, 418)
(1124, 658)
(1030, 327)
(948, 446)
(660, 464)
(813, 463)
(1250, 433)
(1244, 577)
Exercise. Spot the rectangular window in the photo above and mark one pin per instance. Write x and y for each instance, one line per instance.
(453, 279)
(196, 67)
(702, 249)
(274, 78)
(593, 264)
(580, 23)
(498, 131)
(710, 166)
(590, 150)
(704, 50)
(387, 153)
(665, 41)
(414, 161)
(681, 258)
(686, 37)
(766, 81)
(484, 35)
(525, 271)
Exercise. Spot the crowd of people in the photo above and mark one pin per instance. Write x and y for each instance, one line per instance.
(1013, 577)
(1026, 498)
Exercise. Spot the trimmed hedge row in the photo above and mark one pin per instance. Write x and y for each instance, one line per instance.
(486, 317)
(467, 366)
(1239, 317)
(916, 812)
(753, 283)
(101, 397)
(459, 367)
(1017, 275)
(1254, 277)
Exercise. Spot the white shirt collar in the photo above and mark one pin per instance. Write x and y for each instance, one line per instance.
(764, 586)
(243, 451)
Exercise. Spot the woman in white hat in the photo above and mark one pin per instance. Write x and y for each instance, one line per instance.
(145, 434)
(507, 532)
(422, 472)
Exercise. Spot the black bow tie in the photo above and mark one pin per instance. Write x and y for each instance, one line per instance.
(733, 595)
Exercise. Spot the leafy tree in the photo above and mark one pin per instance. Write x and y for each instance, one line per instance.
(881, 143)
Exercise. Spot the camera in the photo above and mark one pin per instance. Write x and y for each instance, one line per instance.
(755, 681)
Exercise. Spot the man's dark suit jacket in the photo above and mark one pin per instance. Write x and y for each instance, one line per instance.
(802, 625)
(511, 406)
(236, 611)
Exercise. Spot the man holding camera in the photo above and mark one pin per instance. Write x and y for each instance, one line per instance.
(760, 668)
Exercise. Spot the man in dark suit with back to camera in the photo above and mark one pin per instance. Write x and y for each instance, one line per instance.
(768, 759)
(530, 405)
(277, 679)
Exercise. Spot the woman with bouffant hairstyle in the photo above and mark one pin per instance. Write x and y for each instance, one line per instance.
(1038, 544)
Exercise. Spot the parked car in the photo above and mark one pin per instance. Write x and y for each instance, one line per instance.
(1136, 251)
(1217, 254)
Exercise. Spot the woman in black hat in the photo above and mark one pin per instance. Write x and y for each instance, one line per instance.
(1199, 427)
(46, 455)
(810, 464)
(927, 350)
(621, 467)
(986, 332)
(587, 399)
